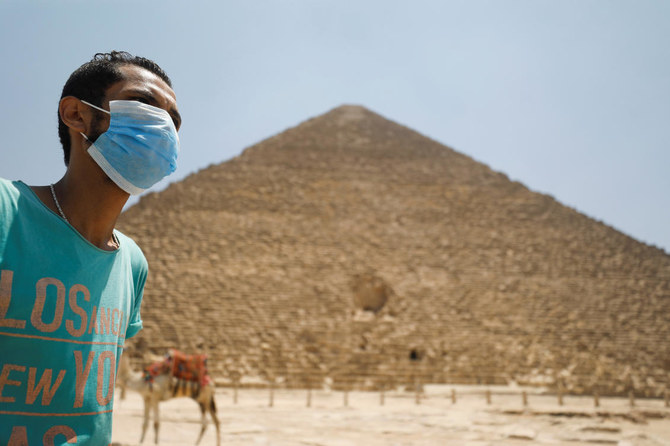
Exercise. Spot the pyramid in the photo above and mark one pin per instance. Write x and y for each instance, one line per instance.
(354, 250)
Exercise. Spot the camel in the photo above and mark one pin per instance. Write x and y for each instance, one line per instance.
(163, 387)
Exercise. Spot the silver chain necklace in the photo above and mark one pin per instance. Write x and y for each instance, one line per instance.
(53, 194)
(62, 214)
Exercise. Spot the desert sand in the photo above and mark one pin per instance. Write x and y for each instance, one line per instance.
(359, 418)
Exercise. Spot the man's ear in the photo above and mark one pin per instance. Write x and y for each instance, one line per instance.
(72, 113)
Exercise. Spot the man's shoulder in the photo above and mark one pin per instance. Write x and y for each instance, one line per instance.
(133, 250)
(10, 191)
(9, 186)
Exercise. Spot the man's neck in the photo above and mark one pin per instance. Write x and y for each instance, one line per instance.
(91, 204)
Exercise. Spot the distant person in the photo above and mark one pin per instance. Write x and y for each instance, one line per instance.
(71, 285)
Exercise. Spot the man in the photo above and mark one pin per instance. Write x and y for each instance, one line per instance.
(71, 285)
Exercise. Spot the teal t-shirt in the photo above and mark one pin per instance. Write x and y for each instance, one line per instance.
(66, 308)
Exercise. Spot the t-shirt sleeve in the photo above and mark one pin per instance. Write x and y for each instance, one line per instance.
(140, 276)
(8, 198)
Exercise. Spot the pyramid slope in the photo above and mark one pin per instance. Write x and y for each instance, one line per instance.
(256, 261)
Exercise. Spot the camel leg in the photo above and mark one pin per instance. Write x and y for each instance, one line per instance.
(212, 411)
(203, 422)
(157, 419)
(145, 421)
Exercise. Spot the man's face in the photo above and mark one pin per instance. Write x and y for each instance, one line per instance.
(138, 85)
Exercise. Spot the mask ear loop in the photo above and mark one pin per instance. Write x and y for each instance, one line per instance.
(97, 108)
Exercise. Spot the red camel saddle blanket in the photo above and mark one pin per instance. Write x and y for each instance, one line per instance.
(182, 366)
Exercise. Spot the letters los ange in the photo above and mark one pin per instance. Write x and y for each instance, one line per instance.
(78, 341)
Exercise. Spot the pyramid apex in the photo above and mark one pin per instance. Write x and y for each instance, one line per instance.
(353, 108)
(350, 112)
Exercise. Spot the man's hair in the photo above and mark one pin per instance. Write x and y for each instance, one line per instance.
(90, 81)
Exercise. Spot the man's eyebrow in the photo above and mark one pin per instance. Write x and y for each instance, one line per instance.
(144, 94)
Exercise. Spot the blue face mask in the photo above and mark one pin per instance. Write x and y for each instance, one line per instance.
(139, 148)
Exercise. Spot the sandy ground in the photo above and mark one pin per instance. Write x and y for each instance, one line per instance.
(437, 420)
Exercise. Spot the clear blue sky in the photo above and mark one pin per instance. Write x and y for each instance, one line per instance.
(569, 97)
